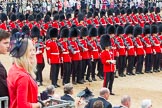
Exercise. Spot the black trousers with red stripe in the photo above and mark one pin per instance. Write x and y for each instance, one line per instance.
(66, 72)
(108, 80)
(40, 67)
(85, 63)
(54, 73)
(77, 70)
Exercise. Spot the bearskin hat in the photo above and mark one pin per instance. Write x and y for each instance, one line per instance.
(61, 17)
(111, 29)
(56, 17)
(13, 17)
(119, 30)
(26, 30)
(64, 33)
(129, 29)
(3, 17)
(160, 28)
(47, 18)
(68, 15)
(145, 11)
(151, 9)
(38, 17)
(80, 17)
(84, 11)
(89, 15)
(35, 32)
(137, 31)
(76, 12)
(157, 10)
(146, 29)
(110, 12)
(95, 14)
(48, 13)
(140, 10)
(101, 30)
(154, 29)
(21, 17)
(93, 32)
(129, 11)
(105, 41)
(53, 32)
(30, 18)
(74, 32)
(91, 10)
(83, 32)
(135, 11)
(122, 11)
(117, 12)
(54, 12)
(102, 13)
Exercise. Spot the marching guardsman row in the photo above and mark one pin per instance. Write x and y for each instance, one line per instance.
(75, 47)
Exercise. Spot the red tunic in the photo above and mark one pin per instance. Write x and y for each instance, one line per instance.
(23, 90)
(84, 53)
(121, 49)
(130, 50)
(117, 20)
(139, 48)
(147, 45)
(3, 26)
(48, 49)
(103, 22)
(65, 55)
(96, 22)
(94, 52)
(156, 45)
(110, 21)
(40, 51)
(89, 21)
(114, 49)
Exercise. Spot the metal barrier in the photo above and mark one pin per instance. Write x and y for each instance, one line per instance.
(5, 101)
(60, 104)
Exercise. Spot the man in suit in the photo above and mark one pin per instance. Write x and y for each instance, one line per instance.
(4, 46)
(104, 95)
(68, 91)
(125, 102)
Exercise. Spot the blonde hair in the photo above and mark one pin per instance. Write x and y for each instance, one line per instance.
(24, 61)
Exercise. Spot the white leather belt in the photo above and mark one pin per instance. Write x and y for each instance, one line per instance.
(55, 53)
(65, 52)
(95, 50)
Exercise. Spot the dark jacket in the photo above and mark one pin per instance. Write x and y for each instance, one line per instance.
(3, 82)
(67, 97)
(105, 103)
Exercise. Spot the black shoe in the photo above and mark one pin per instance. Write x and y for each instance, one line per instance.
(74, 83)
(94, 79)
(112, 93)
(137, 72)
(128, 73)
(150, 72)
(158, 70)
(89, 79)
(124, 75)
(141, 73)
(100, 77)
(55, 86)
(121, 75)
(80, 82)
(116, 76)
(41, 84)
(58, 85)
(147, 71)
(132, 73)
(154, 70)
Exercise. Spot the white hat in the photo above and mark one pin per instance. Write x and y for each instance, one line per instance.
(146, 103)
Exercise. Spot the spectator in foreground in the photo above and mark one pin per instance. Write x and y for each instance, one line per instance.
(23, 90)
(125, 102)
(4, 46)
(146, 103)
(68, 92)
(104, 96)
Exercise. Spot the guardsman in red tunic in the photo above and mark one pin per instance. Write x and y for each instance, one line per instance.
(151, 15)
(156, 48)
(65, 55)
(121, 49)
(160, 39)
(38, 23)
(139, 49)
(68, 20)
(75, 56)
(110, 19)
(21, 21)
(129, 17)
(146, 18)
(123, 17)
(75, 19)
(130, 49)
(111, 32)
(157, 15)
(61, 20)
(26, 30)
(141, 21)
(55, 22)
(94, 52)
(134, 16)
(107, 58)
(86, 61)
(46, 25)
(117, 17)
(31, 22)
(35, 35)
(148, 49)
(95, 19)
(89, 18)
(54, 56)
(3, 19)
(12, 22)
(101, 31)
(102, 18)
(81, 20)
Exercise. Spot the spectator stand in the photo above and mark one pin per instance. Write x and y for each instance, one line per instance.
(5, 101)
